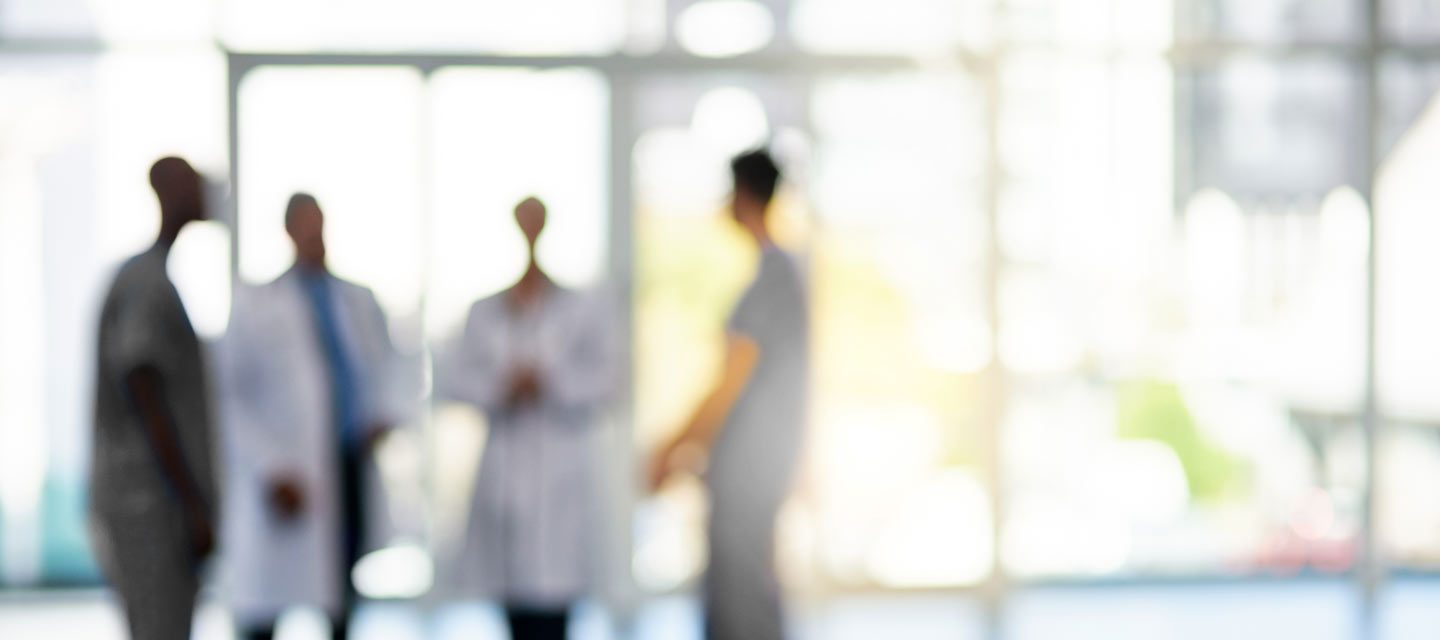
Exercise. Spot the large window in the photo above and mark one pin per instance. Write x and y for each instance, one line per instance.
(443, 158)
(887, 363)
(901, 330)
(535, 27)
(1409, 519)
(1091, 279)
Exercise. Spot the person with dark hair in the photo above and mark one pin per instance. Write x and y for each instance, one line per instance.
(539, 361)
(312, 384)
(300, 204)
(152, 485)
(750, 426)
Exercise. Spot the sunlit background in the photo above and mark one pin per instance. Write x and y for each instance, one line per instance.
(1093, 281)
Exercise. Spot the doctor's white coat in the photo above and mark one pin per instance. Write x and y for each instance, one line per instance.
(532, 536)
(276, 407)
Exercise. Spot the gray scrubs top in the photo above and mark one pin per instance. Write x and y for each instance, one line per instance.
(755, 457)
(143, 323)
(757, 451)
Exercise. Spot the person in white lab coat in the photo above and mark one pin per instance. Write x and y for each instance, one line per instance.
(310, 389)
(537, 360)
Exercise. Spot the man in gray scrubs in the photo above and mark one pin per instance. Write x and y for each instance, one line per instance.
(750, 425)
(152, 485)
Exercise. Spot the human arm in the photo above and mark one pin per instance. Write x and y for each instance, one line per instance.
(146, 388)
(692, 444)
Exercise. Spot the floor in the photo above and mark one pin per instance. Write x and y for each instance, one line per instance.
(1315, 610)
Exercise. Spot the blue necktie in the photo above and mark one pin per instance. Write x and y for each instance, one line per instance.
(342, 374)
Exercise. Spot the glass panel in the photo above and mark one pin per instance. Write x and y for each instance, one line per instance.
(1088, 151)
(1273, 20)
(1408, 87)
(647, 26)
(1183, 386)
(531, 27)
(1404, 196)
(1406, 495)
(1141, 24)
(894, 27)
(351, 137)
(109, 20)
(1415, 21)
(1407, 342)
(1267, 132)
(900, 331)
(501, 135)
(81, 133)
(724, 28)
(47, 19)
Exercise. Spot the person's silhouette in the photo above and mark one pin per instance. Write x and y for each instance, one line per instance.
(310, 372)
(153, 499)
(538, 360)
(751, 424)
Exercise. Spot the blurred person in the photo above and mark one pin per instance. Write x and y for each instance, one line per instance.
(748, 430)
(309, 389)
(537, 360)
(152, 486)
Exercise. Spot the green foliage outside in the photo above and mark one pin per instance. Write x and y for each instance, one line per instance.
(1155, 410)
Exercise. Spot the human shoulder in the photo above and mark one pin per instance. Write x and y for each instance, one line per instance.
(255, 308)
(588, 301)
(352, 288)
(492, 303)
(139, 279)
(779, 262)
(249, 293)
(141, 269)
(569, 296)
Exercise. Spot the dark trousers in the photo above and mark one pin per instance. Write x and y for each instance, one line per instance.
(352, 529)
(530, 624)
(352, 523)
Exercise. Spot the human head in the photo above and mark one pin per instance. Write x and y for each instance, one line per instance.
(756, 176)
(305, 223)
(530, 216)
(180, 191)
